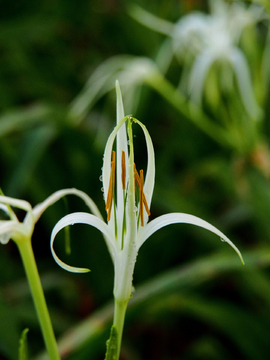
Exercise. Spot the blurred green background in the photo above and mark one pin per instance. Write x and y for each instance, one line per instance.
(193, 299)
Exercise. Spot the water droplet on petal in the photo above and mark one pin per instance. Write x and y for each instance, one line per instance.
(4, 238)
(100, 178)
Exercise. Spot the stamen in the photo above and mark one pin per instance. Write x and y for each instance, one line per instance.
(123, 164)
(138, 182)
(146, 205)
(141, 197)
(111, 188)
(137, 177)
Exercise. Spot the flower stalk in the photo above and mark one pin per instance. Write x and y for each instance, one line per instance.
(33, 278)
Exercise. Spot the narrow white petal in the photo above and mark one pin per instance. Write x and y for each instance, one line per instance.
(79, 218)
(151, 21)
(106, 169)
(26, 228)
(6, 229)
(20, 204)
(150, 172)
(240, 65)
(40, 208)
(121, 145)
(175, 218)
(200, 69)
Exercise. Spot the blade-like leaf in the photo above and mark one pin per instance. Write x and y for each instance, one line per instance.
(23, 348)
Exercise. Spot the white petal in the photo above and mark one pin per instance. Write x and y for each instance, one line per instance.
(40, 208)
(121, 145)
(175, 218)
(6, 229)
(106, 169)
(240, 65)
(13, 229)
(26, 228)
(200, 69)
(150, 172)
(151, 21)
(79, 218)
(20, 204)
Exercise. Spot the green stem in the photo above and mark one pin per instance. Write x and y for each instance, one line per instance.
(31, 270)
(189, 110)
(120, 308)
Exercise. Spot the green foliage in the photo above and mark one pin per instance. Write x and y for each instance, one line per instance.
(212, 161)
(23, 348)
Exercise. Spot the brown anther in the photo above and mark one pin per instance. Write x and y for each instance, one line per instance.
(141, 197)
(123, 165)
(146, 205)
(137, 177)
(111, 188)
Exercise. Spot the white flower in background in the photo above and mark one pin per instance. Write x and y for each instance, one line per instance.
(131, 71)
(13, 229)
(128, 198)
(200, 40)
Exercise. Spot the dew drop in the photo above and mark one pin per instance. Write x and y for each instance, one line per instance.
(102, 189)
(4, 238)
(223, 240)
(100, 178)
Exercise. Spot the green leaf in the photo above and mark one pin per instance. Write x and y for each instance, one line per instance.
(9, 329)
(112, 350)
(23, 347)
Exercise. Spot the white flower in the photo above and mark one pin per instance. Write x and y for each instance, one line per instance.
(18, 231)
(200, 40)
(215, 37)
(127, 200)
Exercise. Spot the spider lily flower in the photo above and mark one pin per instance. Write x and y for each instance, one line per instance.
(20, 231)
(127, 196)
(201, 40)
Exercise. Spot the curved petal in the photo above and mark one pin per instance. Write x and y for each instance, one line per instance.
(26, 228)
(106, 169)
(175, 218)
(40, 208)
(150, 172)
(78, 218)
(20, 204)
(241, 69)
(6, 229)
(200, 69)
(151, 21)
